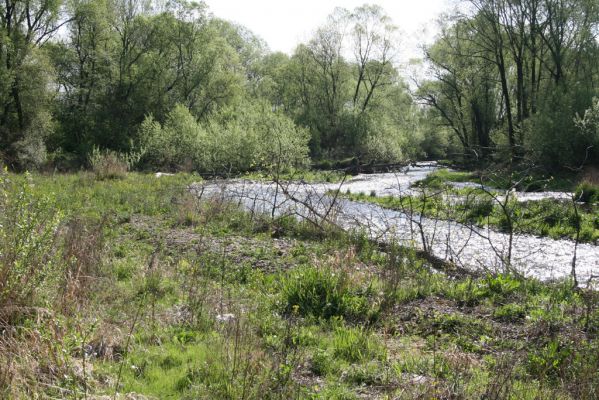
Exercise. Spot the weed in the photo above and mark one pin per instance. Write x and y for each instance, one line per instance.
(29, 257)
(325, 293)
(355, 344)
(510, 312)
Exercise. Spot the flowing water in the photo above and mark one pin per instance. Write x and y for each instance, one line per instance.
(468, 246)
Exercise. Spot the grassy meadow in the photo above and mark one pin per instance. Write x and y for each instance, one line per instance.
(131, 288)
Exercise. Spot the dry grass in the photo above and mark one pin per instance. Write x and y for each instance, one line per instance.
(591, 175)
(108, 164)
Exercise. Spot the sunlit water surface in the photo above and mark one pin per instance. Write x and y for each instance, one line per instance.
(468, 246)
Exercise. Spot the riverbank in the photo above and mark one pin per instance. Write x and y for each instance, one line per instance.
(448, 239)
(155, 294)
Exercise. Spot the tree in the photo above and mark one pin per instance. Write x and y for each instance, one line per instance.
(373, 48)
(25, 26)
(518, 71)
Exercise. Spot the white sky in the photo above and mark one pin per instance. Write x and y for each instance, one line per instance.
(283, 24)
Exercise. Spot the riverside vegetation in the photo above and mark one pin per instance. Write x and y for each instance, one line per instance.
(120, 284)
(132, 287)
(487, 207)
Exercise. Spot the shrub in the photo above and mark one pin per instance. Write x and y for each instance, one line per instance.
(173, 144)
(256, 137)
(28, 237)
(109, 164)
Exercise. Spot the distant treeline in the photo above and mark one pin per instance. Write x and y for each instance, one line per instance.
(170, 86)
(515, 79)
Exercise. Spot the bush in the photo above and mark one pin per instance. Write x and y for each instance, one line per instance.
(254, 138)
(28, 237)
(109, 164)
(175, 143)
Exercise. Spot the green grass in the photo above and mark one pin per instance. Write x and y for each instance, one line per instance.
(313, 314)
(327, 293)
(440, 178)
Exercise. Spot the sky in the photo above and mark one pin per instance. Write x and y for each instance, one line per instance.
(283, 24)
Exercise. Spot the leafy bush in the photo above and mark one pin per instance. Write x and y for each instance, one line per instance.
(28, 237)
(173, 144)
(255, 137)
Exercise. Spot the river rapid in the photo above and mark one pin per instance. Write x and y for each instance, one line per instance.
(470, 247)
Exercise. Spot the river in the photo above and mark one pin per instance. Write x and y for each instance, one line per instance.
(470, 247)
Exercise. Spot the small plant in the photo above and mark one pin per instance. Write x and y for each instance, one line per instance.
(322, 363)
(357, 344)
(29, 251)
(549, 361)
(480, 208)
(325, 293)
(510, 312)
(502, 285)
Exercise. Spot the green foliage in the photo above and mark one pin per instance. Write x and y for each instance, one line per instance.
(109, 164)
(551, 360)
(555, 139)
(173, 145)
(510, 312)
(587, 193)
(440, 336)
(29, 259)
(547, 217)
(254, 137)
(496, 288)
(440, 178)
(326, 293)
(490, 96)
(356, 344)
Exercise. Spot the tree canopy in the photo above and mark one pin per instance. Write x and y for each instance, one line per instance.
(507, 80)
